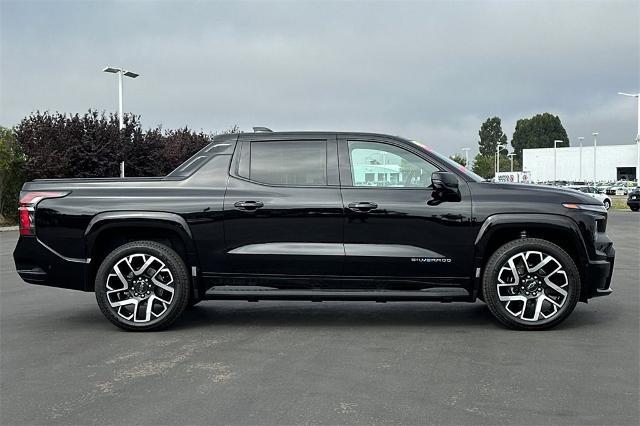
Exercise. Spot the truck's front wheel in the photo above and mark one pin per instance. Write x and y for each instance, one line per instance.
(531, 284)
(142, 286)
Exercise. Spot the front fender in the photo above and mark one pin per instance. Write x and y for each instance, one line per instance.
(515, 224)
(525, 221)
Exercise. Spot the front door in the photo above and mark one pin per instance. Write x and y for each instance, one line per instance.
(393, 225)
(283, 209)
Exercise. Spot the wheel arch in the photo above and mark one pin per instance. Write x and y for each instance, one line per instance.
(502, 228)
(109, 230)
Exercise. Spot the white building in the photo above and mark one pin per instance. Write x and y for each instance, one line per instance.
(613, 162)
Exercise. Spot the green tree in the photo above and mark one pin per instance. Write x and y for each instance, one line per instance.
(484, 165)
(538, 131)
(491, 135)
(11, 160)
(459, 159)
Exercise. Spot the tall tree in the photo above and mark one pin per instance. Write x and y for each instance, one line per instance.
(491, 135)
(538, 131)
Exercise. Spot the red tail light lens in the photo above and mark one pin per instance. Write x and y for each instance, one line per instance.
(27, 224)
(26, 210)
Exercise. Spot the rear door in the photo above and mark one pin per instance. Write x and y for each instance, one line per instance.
(394, 227)
(283, 208)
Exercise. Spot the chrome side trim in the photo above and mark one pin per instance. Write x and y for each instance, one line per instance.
(68, 259)
(292, 249)
(389, 250)
(336, 249)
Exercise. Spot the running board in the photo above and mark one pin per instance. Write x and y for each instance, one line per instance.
(253, 294)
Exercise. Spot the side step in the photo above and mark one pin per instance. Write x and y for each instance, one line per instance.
(254, 293)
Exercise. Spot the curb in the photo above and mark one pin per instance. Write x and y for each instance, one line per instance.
(8, 228)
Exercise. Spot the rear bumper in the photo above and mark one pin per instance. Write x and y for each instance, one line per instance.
(600, 270)
(38, 264)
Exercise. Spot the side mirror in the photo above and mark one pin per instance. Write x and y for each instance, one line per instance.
(445, 187)
(444, 181)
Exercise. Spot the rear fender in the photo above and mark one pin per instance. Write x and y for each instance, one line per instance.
(112, 221)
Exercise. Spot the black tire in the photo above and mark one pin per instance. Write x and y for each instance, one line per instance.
(635, 209)
(177, 272)
(607, 204)
(500, 258)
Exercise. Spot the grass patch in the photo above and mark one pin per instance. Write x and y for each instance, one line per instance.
(619, 202)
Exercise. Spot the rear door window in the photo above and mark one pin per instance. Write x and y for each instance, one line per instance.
(289, 163)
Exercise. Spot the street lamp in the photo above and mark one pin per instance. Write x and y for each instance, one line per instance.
(511, 155)
(498, 149)
(466, 156)
(121, 72)
(580, 138)
(637, 96)
(595, 147)
(555, 160)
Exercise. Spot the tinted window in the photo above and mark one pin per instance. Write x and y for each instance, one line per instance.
(379, 164)
(289, 162)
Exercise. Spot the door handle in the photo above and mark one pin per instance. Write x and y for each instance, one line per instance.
(248, 205)
(363, 206)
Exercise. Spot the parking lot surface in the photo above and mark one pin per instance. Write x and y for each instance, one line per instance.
(338, 363)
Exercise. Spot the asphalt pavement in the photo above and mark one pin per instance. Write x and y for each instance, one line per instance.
(244, 363)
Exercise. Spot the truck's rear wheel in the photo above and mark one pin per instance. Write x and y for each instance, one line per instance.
(142, 286)
(531, 284)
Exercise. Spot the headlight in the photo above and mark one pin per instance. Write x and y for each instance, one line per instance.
(590, 207)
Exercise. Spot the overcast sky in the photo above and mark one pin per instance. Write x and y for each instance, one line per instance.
(431, 71)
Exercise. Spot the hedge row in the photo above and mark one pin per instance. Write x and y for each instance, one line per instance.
(56, 145)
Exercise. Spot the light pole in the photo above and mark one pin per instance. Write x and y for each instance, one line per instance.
(511, 155)
(466, 156)
(637, 96)
(498, 149)
(580, 138)
(595, 147)
(121, 72)
(555, 160)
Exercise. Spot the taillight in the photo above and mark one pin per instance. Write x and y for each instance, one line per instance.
(27, 209)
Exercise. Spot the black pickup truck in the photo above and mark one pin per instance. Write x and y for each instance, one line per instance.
(315, 216)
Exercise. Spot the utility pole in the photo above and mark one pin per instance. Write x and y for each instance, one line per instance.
(511, 155)
(595, 148)
(498, 149)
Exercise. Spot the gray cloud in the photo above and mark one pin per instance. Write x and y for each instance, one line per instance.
(432, 71)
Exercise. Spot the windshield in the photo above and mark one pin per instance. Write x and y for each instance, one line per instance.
(468, 173)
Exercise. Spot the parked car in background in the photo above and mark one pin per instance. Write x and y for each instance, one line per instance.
(592, 191)
(634, 199)
(621, 188)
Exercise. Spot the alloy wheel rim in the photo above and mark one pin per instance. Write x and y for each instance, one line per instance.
(532, 286)
(140, 288)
